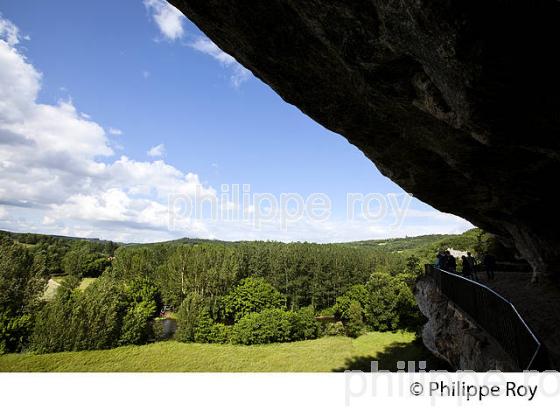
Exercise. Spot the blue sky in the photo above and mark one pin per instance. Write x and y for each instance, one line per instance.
(112, 106)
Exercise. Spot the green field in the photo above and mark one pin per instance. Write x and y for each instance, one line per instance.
(322, 355)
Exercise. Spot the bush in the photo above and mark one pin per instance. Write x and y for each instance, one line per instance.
(136, 327)
(275, 325)
(203, 327)
(268, 326)
(14, 331)
(355, 324)
(386, 303)
(158, 330)
(219, 333)
(303, 324)
(390, 302)
(335, 329)
(188, 317)
(358, 293)
(251, 295)
(144, 299)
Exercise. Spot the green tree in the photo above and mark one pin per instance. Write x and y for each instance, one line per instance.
(188, 317)
(251, 295)
(354, 326)
(20, 289)
(268, 326)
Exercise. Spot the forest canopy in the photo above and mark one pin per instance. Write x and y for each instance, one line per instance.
(239, 292)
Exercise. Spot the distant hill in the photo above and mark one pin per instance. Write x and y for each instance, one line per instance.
(464, 241)
(33, 238)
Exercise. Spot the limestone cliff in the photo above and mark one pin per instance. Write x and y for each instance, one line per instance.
(451, 335)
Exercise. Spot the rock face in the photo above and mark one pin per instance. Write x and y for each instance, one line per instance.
(452, 336)
(456, 101)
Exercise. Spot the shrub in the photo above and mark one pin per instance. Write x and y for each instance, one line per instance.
(334, 329)
(358, 293)
(390, 300)
(386, 302)
(203, 327)
(251, 295)
(219, 333)
(355, 324)
(303, 324)
(14, 331)
(275, 325)
(188, 316)
(158, 330)
(136, 328)
(268, 326)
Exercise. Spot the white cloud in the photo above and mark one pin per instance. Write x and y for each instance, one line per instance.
(9, 32)
(56, 167)
(58, 175)
(157, 151)
(240, 74)
(115, 131)
(146, 74)
(168, 19)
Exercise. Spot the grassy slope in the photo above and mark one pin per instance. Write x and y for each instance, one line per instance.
(321, 355)
(56, 281)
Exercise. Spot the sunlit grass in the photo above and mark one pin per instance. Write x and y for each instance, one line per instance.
(86, 282)
(56, 281)
(322, 355)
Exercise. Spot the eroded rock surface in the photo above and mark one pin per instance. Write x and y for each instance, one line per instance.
(454, 337)
(456, 101)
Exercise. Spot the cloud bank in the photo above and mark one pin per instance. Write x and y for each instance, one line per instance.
(59, 174)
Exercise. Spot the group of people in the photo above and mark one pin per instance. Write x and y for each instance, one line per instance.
(447, 262)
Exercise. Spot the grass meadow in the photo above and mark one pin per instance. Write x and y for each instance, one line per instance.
(327, 354)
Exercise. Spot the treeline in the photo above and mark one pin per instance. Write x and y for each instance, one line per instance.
(306, 274)
(59, 255)
(282, 286)
(243, 292)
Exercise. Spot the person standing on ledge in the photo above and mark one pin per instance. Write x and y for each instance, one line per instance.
(440, 257)
(467, 270)
(450, 262)
(472, 264)
(489, 262)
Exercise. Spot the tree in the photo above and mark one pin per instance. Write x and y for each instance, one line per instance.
(20, 291)
(355, 324)
(188, 317)
(251, 295)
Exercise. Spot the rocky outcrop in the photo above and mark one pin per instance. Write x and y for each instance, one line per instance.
(456, 101)
(451, 335)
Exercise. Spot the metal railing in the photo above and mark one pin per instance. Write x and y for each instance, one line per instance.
(496, 315)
